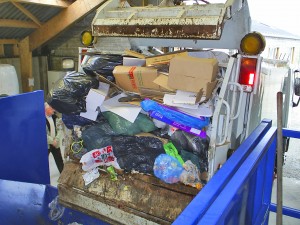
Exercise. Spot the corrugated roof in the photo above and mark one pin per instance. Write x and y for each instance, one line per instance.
(9, 11)
(14, 33)
(270, 31)
(43, 13)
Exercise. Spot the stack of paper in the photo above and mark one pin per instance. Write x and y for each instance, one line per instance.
(94, 99)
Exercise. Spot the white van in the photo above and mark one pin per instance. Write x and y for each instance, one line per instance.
(9, 84)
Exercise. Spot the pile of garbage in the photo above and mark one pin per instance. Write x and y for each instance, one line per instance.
(146, 115)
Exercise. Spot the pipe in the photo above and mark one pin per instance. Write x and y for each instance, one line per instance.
(279, 159)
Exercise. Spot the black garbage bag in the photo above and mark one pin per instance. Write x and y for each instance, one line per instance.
(97, 136)
(194, 144)
(137, 153)
(103, 64)
(71, 120)
(132, 152)
(68, 94)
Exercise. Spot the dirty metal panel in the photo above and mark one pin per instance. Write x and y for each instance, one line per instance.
(134, 197)
(161, 31)
(188, 22)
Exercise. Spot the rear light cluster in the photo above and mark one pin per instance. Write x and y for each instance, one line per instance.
(251, 46)
(248, 71)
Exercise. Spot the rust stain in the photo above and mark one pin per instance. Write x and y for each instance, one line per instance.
(162, 31)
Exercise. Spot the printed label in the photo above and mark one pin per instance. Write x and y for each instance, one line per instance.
(131, 78)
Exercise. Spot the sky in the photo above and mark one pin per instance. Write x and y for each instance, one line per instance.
(282, 14)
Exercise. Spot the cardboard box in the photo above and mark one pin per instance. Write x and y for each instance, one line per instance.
(193, 74)
(162, 81)
(131, 78)
(164, 58)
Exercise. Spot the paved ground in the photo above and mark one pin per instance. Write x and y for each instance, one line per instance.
(291, 169)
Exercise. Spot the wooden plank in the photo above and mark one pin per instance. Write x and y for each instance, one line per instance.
(17, 23)
(2, 50)
(8, 41)
(26, 64)
(114, 215)
(27, 13)
(141, 195)
(16, 50)
(54, 3)
(62, 21)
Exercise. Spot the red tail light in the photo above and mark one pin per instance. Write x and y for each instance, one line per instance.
(248, 71)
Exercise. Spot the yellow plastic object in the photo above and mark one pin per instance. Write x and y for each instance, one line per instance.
(87, 38)
(77, 146)
(253, 43)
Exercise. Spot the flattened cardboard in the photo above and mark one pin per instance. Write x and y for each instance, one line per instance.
(132, 78)
(164, 58)
(193, 74)
(134, 53)
(128, 61)
(162, 80)
(187, 97)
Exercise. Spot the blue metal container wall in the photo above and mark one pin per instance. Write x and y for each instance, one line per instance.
(201, 203)
(23, 139)
(27, 204)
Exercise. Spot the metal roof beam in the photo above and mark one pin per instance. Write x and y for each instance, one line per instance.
(62, 21)
(17, 23)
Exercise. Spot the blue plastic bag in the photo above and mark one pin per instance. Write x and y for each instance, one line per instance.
(172, 115)
(167, 168)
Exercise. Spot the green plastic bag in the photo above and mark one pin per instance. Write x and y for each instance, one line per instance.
(122, 126)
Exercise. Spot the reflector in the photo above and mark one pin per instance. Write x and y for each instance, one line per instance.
(253, 43)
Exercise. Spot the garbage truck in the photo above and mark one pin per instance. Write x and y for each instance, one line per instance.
(201, 32)
(204, 30)
(216, 30)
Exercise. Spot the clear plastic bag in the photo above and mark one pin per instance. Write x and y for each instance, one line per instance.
(190, 175)
(56, 210)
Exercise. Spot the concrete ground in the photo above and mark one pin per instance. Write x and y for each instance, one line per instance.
(291, 168)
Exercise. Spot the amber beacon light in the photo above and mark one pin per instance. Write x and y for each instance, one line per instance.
(87, 38)
(253, 43)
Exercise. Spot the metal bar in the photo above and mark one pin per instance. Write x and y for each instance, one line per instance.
(279, 159)
(291, 133)
(223, 206)
(287, 211)
(200, 204)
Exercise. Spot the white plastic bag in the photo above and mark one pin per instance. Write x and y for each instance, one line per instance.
(99, 157)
